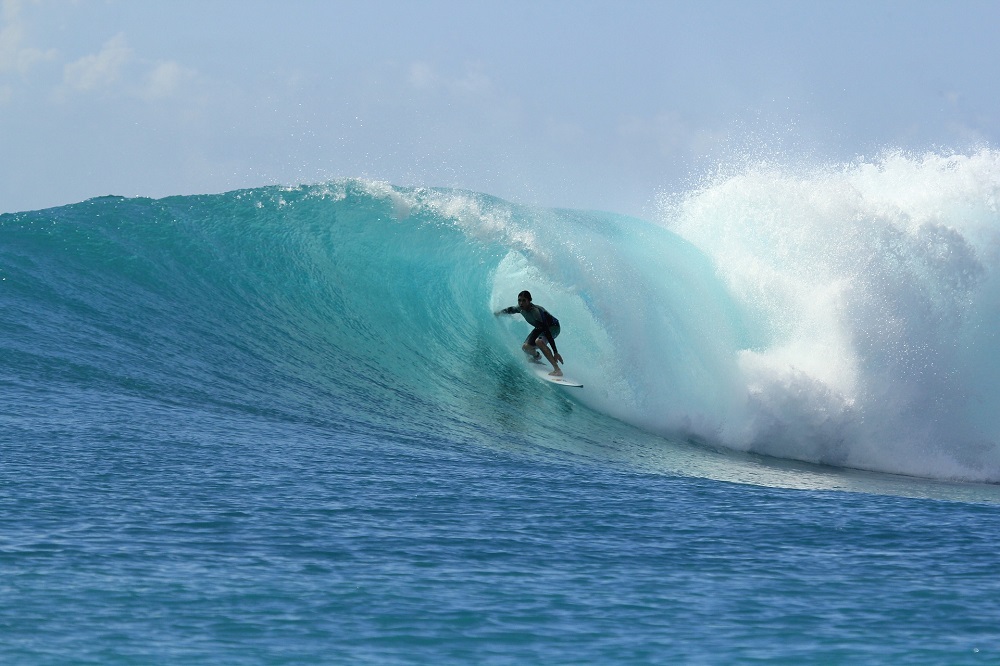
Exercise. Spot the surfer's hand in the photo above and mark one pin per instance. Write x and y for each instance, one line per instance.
(558, 357)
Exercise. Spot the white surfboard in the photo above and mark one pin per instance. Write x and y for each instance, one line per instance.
(542, 372)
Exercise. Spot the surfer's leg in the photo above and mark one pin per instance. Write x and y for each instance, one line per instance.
(529, 347)
(543, 344)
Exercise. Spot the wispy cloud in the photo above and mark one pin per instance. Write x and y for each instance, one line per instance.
(117, 66)
(99, 70)
(473, 82)
(15, 54)
(165, 79)
(422, 76)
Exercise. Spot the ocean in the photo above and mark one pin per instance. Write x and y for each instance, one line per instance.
(283, 426)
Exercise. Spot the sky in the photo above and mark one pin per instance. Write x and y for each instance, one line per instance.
(585, 104)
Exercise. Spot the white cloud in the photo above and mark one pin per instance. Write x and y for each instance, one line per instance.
(165, 79)
(101, 69)
(15, 55)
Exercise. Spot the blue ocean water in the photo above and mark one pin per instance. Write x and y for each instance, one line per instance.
(282, 426)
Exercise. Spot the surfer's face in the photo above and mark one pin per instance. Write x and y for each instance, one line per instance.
(523, 303)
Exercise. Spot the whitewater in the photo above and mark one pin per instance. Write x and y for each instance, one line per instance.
(282, 424)
(871, 293)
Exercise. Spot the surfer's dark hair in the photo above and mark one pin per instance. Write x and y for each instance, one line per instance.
(525, 294)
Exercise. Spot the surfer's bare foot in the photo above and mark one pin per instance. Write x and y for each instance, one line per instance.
(556, 373)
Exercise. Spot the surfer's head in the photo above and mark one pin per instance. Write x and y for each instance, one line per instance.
(524, 298)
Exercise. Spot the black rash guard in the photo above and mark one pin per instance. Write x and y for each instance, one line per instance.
(540, 318)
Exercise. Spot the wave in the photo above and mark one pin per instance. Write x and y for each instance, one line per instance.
(842, 316)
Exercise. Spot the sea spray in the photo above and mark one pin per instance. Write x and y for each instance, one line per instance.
(874, 288)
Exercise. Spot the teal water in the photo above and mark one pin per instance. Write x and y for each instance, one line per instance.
(282, 426)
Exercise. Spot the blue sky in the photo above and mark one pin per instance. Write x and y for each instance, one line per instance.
(598, 105)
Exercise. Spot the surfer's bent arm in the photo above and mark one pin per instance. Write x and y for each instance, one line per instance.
(508, 311)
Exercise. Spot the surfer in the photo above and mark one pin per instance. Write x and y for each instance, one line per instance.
(544, 333)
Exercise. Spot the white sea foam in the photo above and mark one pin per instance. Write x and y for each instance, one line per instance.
(874, 289)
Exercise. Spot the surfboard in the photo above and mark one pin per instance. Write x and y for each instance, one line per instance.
(542, 372)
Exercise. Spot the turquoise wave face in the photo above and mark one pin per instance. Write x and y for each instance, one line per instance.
(361, 306)
(368, 308)
(300, 303)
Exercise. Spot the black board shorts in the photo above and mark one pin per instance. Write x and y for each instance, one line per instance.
(535, 332)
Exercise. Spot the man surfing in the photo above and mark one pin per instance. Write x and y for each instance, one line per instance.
(544, 333)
